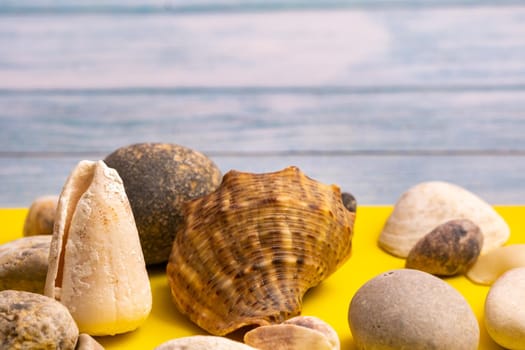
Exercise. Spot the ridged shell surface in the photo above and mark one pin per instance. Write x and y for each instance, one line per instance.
(248, 252)
(426, 205)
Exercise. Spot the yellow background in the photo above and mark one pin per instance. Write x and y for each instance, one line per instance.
(329, 301)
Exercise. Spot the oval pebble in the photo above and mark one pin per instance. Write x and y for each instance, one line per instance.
(505, 310)
(411, 309)
(449, 249)
(23, 263)
(34, 321)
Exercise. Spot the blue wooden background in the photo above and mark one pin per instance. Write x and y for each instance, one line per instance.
(374, 96)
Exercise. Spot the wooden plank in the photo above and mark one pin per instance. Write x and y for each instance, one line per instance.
(184, 6)
(440, 123)
(375, 145)
(372, 179)
(374, 97)
(409, 48)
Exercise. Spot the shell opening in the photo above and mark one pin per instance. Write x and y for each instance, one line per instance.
(79, 187)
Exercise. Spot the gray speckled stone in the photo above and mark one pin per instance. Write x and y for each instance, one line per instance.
(411, 309)
(159, 178)
(33, 321)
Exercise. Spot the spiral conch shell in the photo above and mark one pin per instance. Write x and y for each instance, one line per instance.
(248, 252)
(96, 265)
(426, 205)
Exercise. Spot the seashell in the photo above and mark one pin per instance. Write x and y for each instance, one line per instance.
(86, 342)
(23, 263)
(159, 178)
(318, 325)
(41, 216)
(34, 321)
(203, 342)
(429, 204)
(248, 252)
(297, 333)
(489, 267)
(96, 266)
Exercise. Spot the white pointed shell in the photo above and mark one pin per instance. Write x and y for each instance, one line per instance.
(429, 204)
(96, 266)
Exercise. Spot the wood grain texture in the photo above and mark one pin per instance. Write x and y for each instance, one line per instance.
(419, 48)
(230, 123)
(185, 6)
(371, 179)
(373, 96)
(373, 145)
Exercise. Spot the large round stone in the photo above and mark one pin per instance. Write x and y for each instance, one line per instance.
(411, 309)
(158, 179)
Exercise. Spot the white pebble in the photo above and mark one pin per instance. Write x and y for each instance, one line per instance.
(505, 310)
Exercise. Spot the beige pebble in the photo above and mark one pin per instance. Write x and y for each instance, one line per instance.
(33, 321)
(41, 216)
(505, 310)
(449, 249)
(411, 309)
(23, 263)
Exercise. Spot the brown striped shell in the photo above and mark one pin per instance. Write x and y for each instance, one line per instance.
(247, 253)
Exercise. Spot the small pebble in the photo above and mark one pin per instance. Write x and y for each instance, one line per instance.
(33, 321)
(411, 309)
(505, 310)
(41, 216)
(349, 201)
(450, 249)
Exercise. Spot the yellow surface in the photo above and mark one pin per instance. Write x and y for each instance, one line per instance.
(329, 301)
